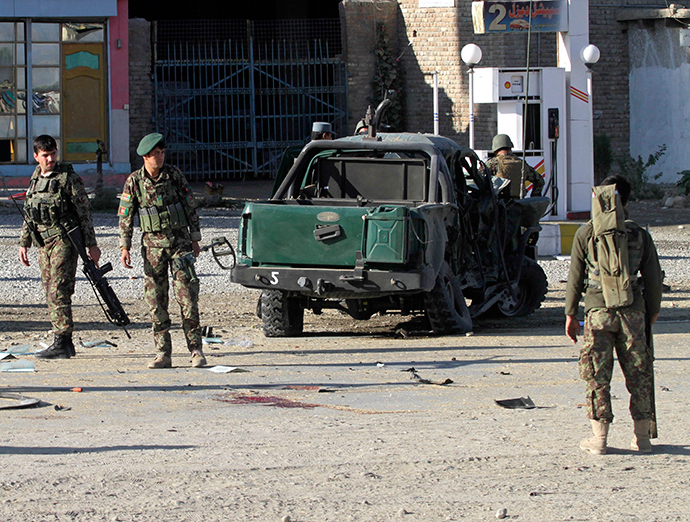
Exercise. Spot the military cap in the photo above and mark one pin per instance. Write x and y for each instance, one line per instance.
(321, 127)
(148, 143)
(501, 141)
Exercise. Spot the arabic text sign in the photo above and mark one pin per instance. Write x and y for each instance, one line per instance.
(507, 17)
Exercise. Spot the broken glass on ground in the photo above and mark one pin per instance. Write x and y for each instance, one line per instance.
(226, 369)
(17, 366)
(240, 343)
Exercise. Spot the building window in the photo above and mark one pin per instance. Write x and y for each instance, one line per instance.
(12, 92)
(67, 100)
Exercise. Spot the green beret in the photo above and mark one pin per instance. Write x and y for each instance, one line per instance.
(148, 143)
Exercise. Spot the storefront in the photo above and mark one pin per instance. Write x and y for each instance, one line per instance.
(64, 72)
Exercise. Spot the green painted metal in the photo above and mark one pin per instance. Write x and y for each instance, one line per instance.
(386, 235)
(284, 234)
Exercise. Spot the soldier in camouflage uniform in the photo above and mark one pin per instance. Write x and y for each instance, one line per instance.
(56, 202)
(507, 165)
(620, 328)
(159, 193)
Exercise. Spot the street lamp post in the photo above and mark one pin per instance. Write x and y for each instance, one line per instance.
(471, 54)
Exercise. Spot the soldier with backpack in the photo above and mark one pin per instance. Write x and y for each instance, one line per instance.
(507, 165)
(608, 253)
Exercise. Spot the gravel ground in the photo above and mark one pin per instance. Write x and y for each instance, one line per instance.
(334, 425)
(670, 229)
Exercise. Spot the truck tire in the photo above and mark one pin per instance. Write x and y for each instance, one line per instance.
(445, 305)
(530, 293)
(282, 315)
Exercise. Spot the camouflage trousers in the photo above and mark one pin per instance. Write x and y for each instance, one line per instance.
(158, 261)
(57, 260)
(621, 329)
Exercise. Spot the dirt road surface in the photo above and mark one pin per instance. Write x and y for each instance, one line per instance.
(361, 421)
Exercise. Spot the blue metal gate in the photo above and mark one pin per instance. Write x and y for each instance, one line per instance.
(229, 108)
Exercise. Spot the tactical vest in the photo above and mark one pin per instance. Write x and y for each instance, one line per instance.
(615, 249)
(47, 203)
(169, 215)
(510, 167)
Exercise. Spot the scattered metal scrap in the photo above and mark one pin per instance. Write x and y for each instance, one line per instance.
(524, 403)
(414, 375)
(13, 401)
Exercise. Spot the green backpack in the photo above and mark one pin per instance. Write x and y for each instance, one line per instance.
(608, 247)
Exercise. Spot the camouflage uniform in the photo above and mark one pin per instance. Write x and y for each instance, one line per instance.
(169, 225)
(509, 166)
(622, 329)
(51, 201)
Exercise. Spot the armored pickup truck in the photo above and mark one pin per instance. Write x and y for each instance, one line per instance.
(399, 223)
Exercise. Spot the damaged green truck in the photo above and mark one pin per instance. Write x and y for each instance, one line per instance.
(400, 223)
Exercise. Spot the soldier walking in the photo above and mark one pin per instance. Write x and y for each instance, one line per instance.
(507, 165)
(160, 194)
(55, 203)
(615, 304)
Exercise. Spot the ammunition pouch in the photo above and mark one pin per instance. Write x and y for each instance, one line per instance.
(50, 232)
(45, 203)
(158, 219)
(185, 263)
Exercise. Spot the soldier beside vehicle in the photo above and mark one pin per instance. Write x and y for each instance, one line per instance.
(56, 203)
(160, 194)
(507, 165)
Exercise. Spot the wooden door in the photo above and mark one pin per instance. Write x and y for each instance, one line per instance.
(84, 94)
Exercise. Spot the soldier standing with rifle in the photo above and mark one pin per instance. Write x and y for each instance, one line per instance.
(607, 254)
(55, 203)
(159, 193)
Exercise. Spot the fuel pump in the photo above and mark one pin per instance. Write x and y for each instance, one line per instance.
(544, 138)
(551, 187)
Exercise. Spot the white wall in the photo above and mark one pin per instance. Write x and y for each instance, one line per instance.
(660, 98)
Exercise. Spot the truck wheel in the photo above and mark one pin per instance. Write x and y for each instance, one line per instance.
(530, 292)
(283, 316)
(445, 305)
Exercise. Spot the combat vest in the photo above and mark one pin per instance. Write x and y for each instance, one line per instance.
(168, 215)
(615, 249)
(510, 167)
(48, 203)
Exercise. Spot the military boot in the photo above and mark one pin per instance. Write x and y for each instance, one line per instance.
(641, 441)
(596, 444)
(58, 350)
(162, 360)
(70, 345)
(198, 359)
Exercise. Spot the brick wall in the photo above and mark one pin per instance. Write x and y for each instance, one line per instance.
(359, 19)
(610, 79)
(431, 39)
(140, 85)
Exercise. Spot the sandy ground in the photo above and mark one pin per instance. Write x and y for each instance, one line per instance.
(333, 425)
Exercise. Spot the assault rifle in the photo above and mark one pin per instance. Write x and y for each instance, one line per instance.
(650, 352)
(104, 293)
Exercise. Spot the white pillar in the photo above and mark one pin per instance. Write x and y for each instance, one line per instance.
(579, 108)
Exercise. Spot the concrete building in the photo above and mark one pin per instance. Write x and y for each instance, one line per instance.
(64, 72)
